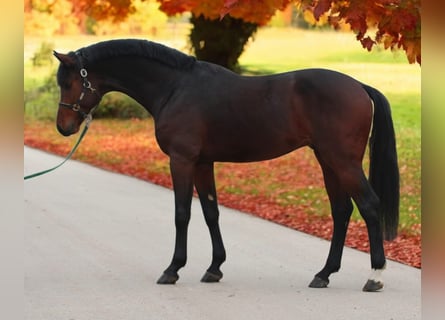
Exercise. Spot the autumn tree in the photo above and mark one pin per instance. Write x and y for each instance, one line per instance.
(101, 17)
(395, 23)
(144, 18)
(46, 17)
(55, 16)
(218, 37)
(221, 28)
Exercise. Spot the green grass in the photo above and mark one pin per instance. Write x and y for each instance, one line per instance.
(279, 50)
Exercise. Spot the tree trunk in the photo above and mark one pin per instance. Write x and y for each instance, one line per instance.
(220, 41)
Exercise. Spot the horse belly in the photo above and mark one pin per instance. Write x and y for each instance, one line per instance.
(249, 147)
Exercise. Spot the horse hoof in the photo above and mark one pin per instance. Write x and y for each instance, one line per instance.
(211, 277)
(373, 286)
(168, 279)
(318, 282)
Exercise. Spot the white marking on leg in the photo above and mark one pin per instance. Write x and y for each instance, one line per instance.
(210, 197)
(376, 274)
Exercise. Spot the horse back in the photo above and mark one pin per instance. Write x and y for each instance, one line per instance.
(222, 116)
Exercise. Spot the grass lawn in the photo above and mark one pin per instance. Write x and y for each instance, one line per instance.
(278, 50)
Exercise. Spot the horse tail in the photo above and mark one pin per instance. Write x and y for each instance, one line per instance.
(383, 167)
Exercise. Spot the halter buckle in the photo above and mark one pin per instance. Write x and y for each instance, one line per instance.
(83, 73)
(87, 84)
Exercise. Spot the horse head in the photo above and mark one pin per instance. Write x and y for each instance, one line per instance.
(78, 97)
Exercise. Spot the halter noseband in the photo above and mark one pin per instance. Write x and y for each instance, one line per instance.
(86, 85)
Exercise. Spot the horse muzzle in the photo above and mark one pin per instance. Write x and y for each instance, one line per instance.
(68, 130)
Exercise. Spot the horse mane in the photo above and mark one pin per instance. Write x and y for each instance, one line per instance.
(136, 48)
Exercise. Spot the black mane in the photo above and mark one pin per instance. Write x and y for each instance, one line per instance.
(133, 47)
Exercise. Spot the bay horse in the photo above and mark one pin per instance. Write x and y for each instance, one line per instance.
(204, 113)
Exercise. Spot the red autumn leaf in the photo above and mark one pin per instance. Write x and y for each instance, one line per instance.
(367, 43)
(321, 7)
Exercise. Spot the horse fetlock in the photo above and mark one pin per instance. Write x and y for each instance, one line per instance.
(218, 259)
(378, 264)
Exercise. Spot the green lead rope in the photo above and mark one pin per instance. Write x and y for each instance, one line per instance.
(85, 129)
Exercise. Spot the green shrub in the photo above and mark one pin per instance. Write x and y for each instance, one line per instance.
(118, 105)
(43, 56)
(42, 98)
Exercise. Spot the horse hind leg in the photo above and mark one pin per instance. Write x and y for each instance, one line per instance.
(205, 186)
(356, 184)
(368, 203)
(341, 210)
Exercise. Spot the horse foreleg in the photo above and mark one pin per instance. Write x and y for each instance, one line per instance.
(341, 210)
(182, 176)
(205, 185)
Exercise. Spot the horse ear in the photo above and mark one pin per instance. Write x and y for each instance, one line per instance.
(65, 59)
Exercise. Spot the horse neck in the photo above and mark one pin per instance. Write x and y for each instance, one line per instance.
(148, 82)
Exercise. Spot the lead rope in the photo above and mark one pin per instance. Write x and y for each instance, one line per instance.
(88, 120)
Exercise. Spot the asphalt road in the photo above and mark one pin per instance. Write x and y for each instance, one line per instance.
(96, 242)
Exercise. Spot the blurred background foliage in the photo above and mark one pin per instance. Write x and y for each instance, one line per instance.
(46, 19)
(162, 20)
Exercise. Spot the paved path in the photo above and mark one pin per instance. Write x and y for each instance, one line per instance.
(96, 242)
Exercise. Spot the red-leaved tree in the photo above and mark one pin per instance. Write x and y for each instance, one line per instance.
(394, 23)
(222, 27)
(258, 12)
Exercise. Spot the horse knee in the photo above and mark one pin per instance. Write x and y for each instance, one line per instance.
(182, 218)
(211, 219)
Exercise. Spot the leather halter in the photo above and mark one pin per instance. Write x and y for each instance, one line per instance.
(86, 85)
